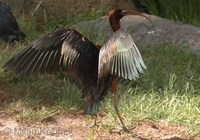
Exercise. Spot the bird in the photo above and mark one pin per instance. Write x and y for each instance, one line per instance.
(96, 68)
(9, 28)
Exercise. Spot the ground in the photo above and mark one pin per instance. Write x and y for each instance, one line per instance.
(77, 126)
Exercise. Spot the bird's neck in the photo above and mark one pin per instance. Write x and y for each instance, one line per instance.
(115, 24)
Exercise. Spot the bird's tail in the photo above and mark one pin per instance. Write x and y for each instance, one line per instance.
(91, 101)
(91, 109)
(94, 95)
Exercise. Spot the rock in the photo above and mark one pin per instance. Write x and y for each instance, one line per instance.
(145, 32)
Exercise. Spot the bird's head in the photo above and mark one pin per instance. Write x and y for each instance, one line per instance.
(116, 14)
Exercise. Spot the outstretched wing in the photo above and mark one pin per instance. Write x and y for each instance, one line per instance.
(63, 51)
(119, 56)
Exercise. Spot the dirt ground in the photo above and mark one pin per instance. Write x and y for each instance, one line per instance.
(77, 126)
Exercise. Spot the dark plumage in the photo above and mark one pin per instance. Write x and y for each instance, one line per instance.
(68, 52)
(96, 69)
(9, 29)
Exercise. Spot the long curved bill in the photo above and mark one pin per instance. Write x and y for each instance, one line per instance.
(125, 12)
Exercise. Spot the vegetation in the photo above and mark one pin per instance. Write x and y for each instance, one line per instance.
(186, 11)
(167, 91)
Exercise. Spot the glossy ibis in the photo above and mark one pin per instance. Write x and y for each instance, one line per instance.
(9, 28)
(95, 68)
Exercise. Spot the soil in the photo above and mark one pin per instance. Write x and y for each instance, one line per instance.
(77, 126)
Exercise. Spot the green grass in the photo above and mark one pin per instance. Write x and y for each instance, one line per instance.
(168, 90)
(169, 105)
(186, 11)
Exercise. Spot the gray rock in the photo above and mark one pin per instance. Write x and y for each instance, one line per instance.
(158, 30)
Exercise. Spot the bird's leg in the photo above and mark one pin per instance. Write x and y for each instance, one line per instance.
(117, 112)
(95, 121)
(114, 90)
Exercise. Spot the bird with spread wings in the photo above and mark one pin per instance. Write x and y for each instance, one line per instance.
(96, 69)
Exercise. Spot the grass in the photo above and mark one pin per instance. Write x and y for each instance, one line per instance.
(185, 11)
(169, 105)
(168, 90)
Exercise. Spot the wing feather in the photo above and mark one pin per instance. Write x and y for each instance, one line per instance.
(40, 63)
(25, 60)
(63, 51)
(126, 72)
(18, 60)
(28, 66)
(119, 56)
(37, 63)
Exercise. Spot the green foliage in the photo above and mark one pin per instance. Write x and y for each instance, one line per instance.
(186, 11)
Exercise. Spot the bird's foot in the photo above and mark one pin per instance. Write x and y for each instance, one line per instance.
(95, 123)
(124, 129)
(94, 126)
